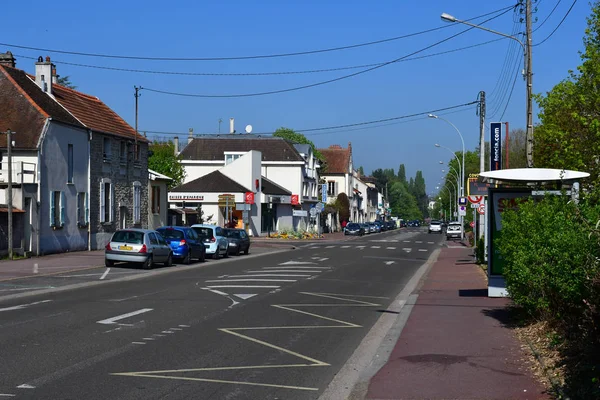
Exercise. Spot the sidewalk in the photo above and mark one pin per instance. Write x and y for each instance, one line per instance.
(454, 344)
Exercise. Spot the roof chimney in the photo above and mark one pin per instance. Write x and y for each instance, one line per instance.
(43, 74)
(176, 145)
(231, 127)
(190, 135)
(7, 59)
(54, 76)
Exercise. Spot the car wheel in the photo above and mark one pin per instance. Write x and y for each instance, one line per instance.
(247, 250)
(202, 257)
(237, 251)
(188, 258)
(217, 254)
(149, 263)
(109, 263)
(169, 262)
(226, 255)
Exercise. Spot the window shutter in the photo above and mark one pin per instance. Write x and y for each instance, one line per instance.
(51, 208)
(102, 202)
(112, 201)
(62, 208)
(79, 210)
(336, 188)
(136, 202)
(158, 199)
(87, 209)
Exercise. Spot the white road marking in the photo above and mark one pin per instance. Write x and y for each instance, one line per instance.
(7, 395)
(298, 263)
(360, 247)
(375, 247)
(286, 270)
(407, 249)
(314, 247)
(138, 342)
(243, 286)
(105, 273)
(22, 306)
(252, 280)
(329, 247)
(113, 320)
(422, 249)
(390, 262)
(216, 292)
(175, 329)
(96, 274)
(35, 268)
(406, 241)
(345, 247)
(25, 386)
(391, 248)
(429, 242)
(167, 332)
(159, 335)
(418, 241)
(139, 295)
(245, 296)
(148, 338)
(263, 275)
(324, 259)
(184, 326)
(296, 267)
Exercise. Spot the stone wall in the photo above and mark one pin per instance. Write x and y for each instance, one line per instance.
(122, 172)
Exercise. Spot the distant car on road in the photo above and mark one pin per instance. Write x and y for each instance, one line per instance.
(214, 239)
(454, 230)
(142, 246)
(185, 242)
(354, 229)
(238, 241)
(435, 226)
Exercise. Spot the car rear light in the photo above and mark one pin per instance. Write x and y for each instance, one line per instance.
(144, 249)
(108, 247)
(182, 242)
(213, 239)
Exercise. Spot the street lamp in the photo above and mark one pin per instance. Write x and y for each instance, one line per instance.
(462, 189)
(450, 194)
(455, 173)
(528, 74)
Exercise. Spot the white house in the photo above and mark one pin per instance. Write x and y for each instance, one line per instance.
(157, 202)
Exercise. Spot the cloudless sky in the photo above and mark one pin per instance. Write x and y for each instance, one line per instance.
(196, 29)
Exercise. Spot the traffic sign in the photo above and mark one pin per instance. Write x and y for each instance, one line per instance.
(474, 205)
(462, 201)
(475, 199)
(313, 212)
(320, 207)
(481, 209)
(462, 210)
(472, 224)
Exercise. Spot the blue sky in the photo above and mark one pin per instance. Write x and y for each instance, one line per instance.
(196, 29)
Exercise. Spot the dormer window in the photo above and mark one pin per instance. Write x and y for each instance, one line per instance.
(231, 157)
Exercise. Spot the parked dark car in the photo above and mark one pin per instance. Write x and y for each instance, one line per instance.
(354, 229)
(185, 243)
(239, 241)
(391, 225)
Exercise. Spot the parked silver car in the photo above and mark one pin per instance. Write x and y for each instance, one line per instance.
(142, 246)
(214, 240)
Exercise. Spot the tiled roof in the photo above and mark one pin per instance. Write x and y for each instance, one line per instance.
(337, 159)
(213, 147)
(270, 187)
(24, 108)
(93, 112)
(215, 182)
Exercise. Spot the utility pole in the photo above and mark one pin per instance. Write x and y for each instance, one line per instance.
(481, 112)
(220, 120)
(137, 95)
(9, 197)
(529, 77)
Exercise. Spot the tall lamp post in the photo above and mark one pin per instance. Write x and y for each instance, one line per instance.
(528, 71)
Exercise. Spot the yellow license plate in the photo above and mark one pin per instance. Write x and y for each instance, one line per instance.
(125, 248)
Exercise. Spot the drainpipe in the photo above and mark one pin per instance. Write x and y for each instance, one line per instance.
(89, 190)
(39, 185)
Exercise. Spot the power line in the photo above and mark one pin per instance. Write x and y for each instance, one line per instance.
(510, 95)
(261, 73)
(559, 24)
(299, 53)
(329, 128)
(548, 16)
(322, 82)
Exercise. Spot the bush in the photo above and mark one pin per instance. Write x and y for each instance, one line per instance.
(480, 250)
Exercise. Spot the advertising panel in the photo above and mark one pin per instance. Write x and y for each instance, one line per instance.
(495, 146)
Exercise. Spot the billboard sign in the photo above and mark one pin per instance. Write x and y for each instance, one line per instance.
(496, 146)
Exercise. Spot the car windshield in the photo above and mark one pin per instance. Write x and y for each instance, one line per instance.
(436, 222)
(133, 237)
(232, 234)
(353, 226)
(171, 233)
(204, 232)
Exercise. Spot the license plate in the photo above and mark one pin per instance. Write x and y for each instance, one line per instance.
(125, 247)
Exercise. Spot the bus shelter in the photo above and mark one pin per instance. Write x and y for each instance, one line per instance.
(506, 187)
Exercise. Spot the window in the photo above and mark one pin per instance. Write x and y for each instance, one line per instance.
(153, 239)
(70, 166)
(57, 209)
(83, 212)
(229, 158)
(123, 152)
(106, 148)
(155, 199)
(137, 202)
(331, 188)
(106, 201)
(136, 152)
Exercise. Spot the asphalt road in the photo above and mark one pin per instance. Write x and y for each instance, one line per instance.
(278, 326)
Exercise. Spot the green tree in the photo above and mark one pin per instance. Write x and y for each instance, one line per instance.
(163, 160)
(295, 137)
(567, 136)
(343, 205)
(517, 149)
(66, 81)
(361, 171)
(403, 203)
(402, 174)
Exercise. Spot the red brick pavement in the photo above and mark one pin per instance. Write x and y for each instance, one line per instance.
(454, 345)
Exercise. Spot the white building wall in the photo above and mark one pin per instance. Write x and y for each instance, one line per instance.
(195, 171)
(340, 186)
(287, 176)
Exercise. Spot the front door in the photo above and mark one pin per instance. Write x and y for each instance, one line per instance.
(28, 224)
(123, 217)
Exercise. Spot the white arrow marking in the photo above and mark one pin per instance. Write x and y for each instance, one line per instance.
(407, 249)
(391, 248)
(22, 306)
(245, 296)
(113, 320)
(390, 262)
(25, 386)
(422, 249)
(105, 273)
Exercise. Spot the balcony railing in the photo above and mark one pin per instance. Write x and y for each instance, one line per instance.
(22, 172)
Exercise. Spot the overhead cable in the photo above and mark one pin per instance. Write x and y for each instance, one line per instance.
(559, 24)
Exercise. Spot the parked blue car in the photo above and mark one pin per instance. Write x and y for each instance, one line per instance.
(185, 243)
